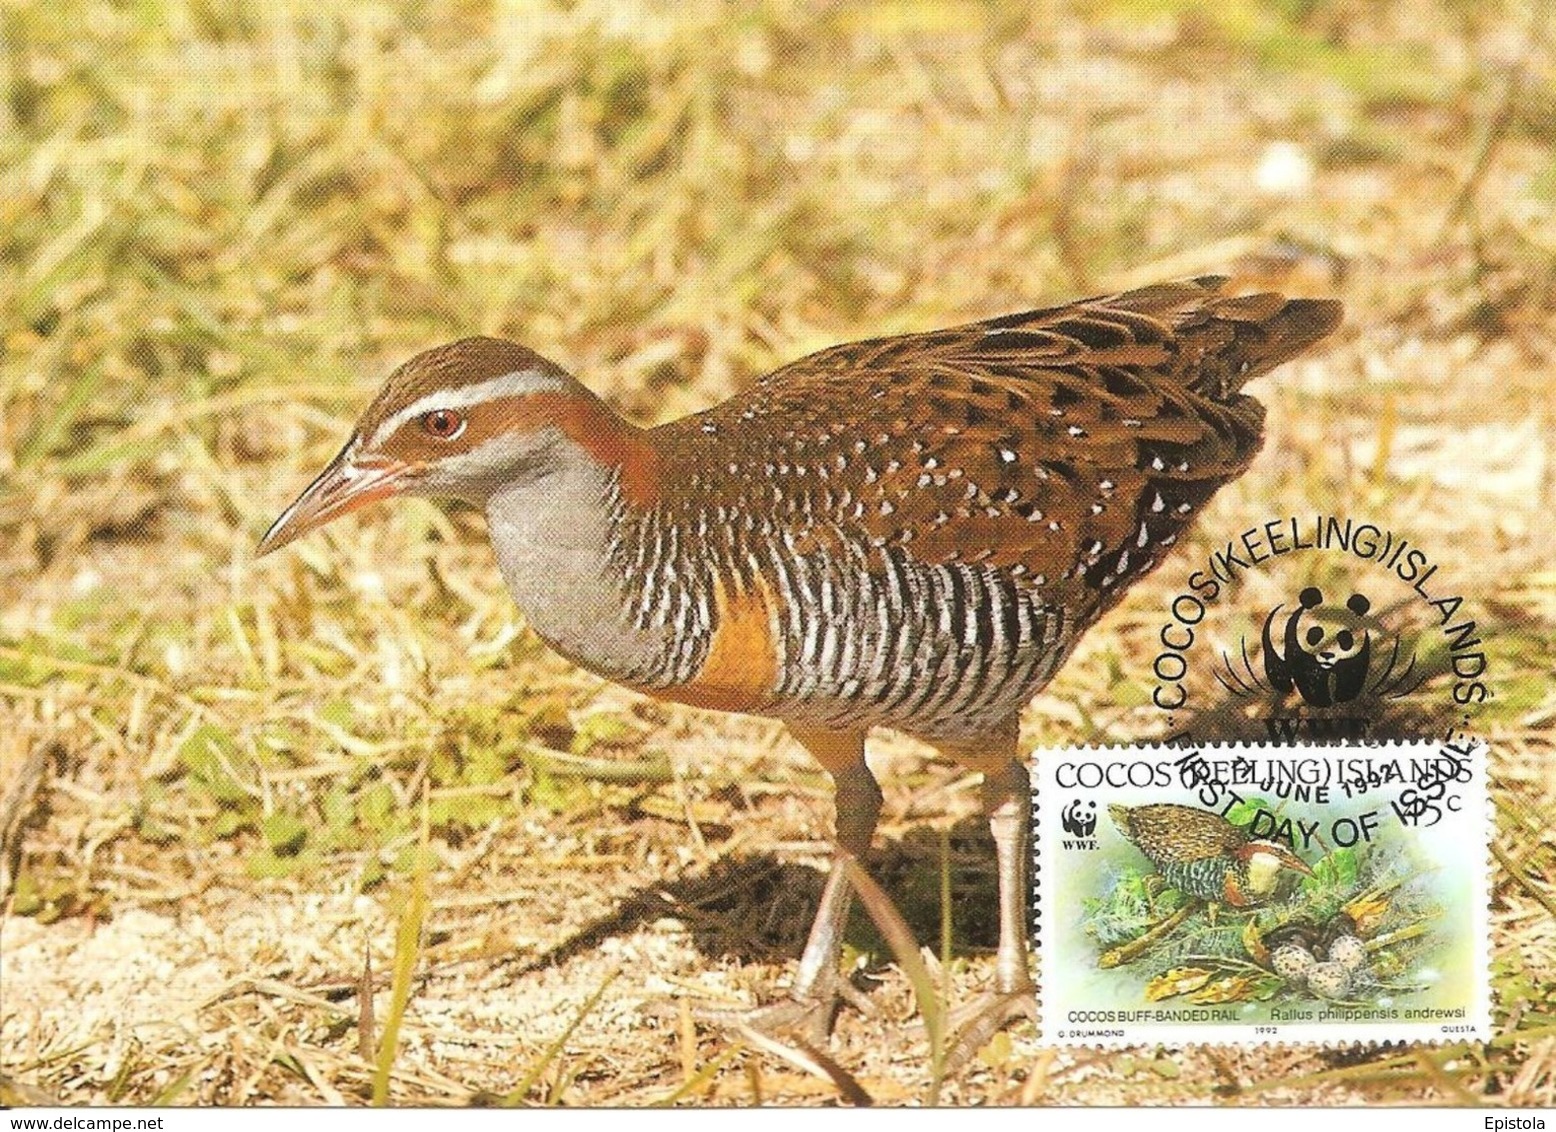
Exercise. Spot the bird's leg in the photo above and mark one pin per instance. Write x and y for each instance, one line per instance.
(858, 807)
(813, 997)
(1008, 804)
(1007, 801)
(1153, 885)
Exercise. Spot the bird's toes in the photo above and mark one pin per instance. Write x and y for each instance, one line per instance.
(808, 1012)
(970, 1026)
(810, 1017)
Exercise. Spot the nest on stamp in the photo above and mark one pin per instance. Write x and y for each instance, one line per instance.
(1366, 929)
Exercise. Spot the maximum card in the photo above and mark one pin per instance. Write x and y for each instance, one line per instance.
(1260, 894)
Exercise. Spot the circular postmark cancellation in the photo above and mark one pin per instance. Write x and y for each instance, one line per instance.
(1295, 860)
(1258, 893)
(1318, 628)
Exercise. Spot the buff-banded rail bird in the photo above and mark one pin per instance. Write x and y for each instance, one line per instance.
(908, 532)
(1202, 854)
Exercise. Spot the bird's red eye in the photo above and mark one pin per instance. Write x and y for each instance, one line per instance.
(445, 424)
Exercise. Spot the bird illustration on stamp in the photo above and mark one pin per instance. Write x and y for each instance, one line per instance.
(1204, 855)
(1272, 892)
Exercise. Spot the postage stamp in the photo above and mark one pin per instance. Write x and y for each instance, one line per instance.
(1261, 894)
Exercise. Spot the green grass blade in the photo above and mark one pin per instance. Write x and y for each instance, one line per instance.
(899, 937)
(516, 1096)
(407, 948)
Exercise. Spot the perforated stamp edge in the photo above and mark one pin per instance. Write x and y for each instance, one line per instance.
(1055, 995)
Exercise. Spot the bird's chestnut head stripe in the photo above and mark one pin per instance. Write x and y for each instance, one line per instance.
(462, 407)
(452, 402)
(462, 420)
(476, 439)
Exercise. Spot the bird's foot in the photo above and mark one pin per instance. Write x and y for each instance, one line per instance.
(808, 1013)
(970, 1026)
(1154, 886)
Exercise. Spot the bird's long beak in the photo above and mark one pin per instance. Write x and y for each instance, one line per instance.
(1291, 861)
(344, 485)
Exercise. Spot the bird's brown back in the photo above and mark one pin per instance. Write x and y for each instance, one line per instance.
(1168, 832)
(981, 493)
(1025, 440)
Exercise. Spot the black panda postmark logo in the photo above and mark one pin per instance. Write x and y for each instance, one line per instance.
(1326, 666)
(1356, 633)
(1325, 654)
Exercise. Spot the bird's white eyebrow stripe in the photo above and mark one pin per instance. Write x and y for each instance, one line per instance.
(507, 385)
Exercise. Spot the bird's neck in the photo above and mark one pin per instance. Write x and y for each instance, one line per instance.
(557, 542)
(1263, 870)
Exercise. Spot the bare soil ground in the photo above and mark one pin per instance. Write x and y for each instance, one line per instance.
(219, 223)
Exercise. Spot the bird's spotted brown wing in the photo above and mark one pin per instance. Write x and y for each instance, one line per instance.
(1167, 832)
(1071, 444)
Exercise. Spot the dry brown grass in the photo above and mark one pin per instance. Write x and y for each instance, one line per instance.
(220, 221)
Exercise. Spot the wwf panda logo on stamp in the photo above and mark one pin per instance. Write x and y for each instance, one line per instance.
(1263, 893)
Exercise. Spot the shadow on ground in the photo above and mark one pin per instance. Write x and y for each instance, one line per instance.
(758, 909)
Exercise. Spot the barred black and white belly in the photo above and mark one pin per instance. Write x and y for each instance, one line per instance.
(859, 635)
(941, 651)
